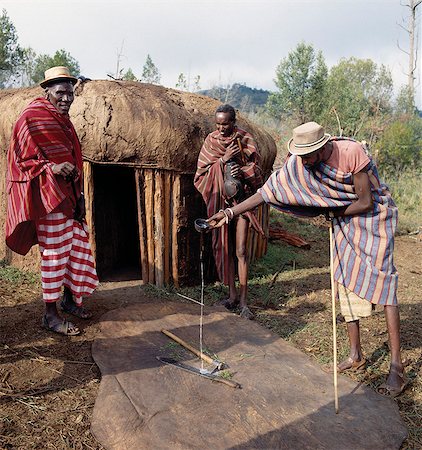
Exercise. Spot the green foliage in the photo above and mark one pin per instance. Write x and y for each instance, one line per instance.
(359, 98)
(150, 73)
(11, 54)
(16, 276)
(400, 146)
(404, 102)
(405, 187)
(60, 58)
(129, 75)
(182, 83)
(196, 85)
(301, 80)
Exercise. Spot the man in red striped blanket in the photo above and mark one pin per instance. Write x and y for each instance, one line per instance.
(221, 154)
(45, 202)
(325, 175)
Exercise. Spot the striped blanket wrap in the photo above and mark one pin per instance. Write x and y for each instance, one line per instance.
(40, 137)
(363, 244)
(66, 258)
(209, 181)
(40, 205)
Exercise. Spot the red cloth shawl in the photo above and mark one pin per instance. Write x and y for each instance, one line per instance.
(41, 136)
(209, 180)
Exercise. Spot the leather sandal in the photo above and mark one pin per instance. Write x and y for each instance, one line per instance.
(355, 366)
(387, 390)
(66, 328)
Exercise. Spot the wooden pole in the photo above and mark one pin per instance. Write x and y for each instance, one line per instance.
(149, 220)
(159, 228)
(142, 226)
(167, 222)
(333, 308)
(88, 171)
(176, 197)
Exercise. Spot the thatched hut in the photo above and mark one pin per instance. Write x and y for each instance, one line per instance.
(140, 144)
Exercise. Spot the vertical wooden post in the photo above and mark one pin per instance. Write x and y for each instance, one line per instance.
(159, 228)
(167, 224)
(88, 171)
(149, 220)
(177, 198)
(142, 225)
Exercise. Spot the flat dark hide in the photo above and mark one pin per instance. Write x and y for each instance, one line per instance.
(286, 401)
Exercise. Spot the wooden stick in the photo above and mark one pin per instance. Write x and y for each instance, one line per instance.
(176, 199)
(149, 216)
(242, 155)
(196, 352)
(167, 222)
(89, 205)
(159, 228)
(333, 307)
(141, 226)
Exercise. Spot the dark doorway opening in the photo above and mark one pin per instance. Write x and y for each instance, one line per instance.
(116, 223)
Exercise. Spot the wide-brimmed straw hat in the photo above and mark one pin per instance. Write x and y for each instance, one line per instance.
(307, 138)
(58, 73)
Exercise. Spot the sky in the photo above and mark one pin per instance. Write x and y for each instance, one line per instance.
(224, 42)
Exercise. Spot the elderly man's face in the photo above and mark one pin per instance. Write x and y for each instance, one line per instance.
(320, 155)
(224, 123)
(61, 96)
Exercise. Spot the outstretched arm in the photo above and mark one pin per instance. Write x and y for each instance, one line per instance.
(217, 220)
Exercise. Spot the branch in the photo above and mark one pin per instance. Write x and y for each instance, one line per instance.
(404, 51)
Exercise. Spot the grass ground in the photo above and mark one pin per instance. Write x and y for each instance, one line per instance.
(48, 384)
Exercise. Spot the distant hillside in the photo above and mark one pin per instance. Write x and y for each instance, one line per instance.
(239, 96)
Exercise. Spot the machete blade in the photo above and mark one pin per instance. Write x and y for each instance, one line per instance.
(194, 370)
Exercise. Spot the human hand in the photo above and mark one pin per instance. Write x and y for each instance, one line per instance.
(235, 170)
(65, 169)
(231, 150)
(217, 220)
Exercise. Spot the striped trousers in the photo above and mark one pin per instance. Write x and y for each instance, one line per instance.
(66, 258)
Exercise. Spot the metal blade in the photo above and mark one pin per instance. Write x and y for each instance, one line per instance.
(187, 368)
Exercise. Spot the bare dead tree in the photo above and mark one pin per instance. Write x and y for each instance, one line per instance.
(411, 29)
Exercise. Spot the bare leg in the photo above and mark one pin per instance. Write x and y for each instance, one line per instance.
(392, 318)
(242, 227)
(355, 354)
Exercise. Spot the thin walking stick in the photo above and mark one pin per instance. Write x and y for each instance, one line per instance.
(333, 308)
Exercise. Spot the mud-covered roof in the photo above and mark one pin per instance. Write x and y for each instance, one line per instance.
(136, 123)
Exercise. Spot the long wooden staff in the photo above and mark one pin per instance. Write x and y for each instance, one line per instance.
(333, 307)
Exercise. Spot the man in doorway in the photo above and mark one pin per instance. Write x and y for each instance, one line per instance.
(45, 202)
(228, 171)
(334, 176)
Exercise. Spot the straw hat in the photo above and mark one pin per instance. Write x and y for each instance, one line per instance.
(58, 73)
(307, 138)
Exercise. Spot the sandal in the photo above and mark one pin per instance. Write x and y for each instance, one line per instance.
(72, 308)
(231, 305)
(66, 328)
(355, 366)
(246, 313)
(387, 390)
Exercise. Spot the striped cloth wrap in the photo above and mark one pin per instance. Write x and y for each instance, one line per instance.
(363, 244)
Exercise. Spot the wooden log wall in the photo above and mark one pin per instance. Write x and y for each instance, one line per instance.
(167, 206)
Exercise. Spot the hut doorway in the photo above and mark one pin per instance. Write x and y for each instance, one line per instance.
(116, 223)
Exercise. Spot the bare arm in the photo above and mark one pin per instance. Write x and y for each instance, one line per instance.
(364, 203)
(217, 220)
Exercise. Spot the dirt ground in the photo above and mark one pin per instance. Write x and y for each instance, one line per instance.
(48, 383)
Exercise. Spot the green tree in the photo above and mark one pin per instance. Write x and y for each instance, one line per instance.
(196, 85)
(182, 83)
(301, 81)
(60, 58)
(129, 75)
(359, 98)
(150, 73)
(11, 54)
(404, 103)
(400, 146)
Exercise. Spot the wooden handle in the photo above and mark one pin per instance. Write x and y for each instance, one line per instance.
(242, 155)
(231, 383)
(196, 352)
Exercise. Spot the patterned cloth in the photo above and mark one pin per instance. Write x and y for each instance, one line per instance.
(66, 258)
(41, 136)
(209, 180)
(363, 250)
